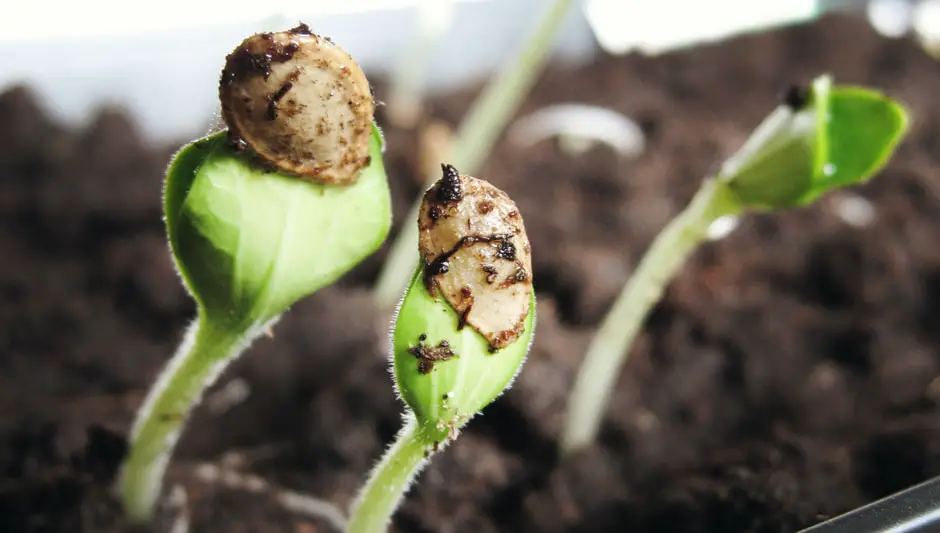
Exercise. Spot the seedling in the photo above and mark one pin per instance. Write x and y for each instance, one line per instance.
(818, 139)
(461, 333)
(292, 196)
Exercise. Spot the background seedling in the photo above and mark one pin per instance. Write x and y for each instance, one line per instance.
(478, 131)
(461, 334)
(818, 139)
(282, 204)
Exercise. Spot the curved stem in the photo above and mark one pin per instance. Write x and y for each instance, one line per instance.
(478, 131)
(390, 480)
(610, 346)
(205, 351)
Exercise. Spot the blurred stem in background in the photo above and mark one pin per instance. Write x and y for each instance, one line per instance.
(406, 93)
(478, 132)
(819, 138)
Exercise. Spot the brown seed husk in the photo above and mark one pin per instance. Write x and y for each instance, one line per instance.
(300, 103)
(477, 255)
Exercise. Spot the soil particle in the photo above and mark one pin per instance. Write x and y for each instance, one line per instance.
(428, 355)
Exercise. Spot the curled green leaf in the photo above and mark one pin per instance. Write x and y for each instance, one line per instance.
(818, 139)
(447, 375)
(250, 242)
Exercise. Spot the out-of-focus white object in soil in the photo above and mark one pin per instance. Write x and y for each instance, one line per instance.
(927, 26)
(655, 27)
(578, 127)
(180, 502)
(891, 18)
(854, 210)
(231, 394)
(722, 227)
(296, 502)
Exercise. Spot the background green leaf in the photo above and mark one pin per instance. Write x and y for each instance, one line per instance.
(864, 128)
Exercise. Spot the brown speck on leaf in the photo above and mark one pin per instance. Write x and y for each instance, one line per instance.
(428, 355)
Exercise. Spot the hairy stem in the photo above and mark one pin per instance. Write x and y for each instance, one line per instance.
(610, 346)
(205, 351)
(390, 480)
(475, 137)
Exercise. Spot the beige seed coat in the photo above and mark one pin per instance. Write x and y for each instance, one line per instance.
(300, 103)
(477, 255)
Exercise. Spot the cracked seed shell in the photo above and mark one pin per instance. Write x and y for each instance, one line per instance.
(477, 255)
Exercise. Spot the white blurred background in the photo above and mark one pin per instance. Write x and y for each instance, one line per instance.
(161, 59)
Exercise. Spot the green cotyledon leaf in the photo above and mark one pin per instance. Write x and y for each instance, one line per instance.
(827, 138)
(250, 242)
(451, 391)
(864, 129)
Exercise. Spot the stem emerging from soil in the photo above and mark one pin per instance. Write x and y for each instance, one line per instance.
(610, 347)
(478, 132)
(391, 478)
(205, 351)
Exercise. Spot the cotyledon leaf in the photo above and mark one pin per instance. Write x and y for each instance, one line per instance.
(250, 242)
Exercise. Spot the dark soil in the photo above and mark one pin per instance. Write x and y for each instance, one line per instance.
(788, 375)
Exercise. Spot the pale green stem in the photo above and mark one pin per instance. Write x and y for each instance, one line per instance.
(380, 497)
(204, 353)
(478, 132)
(610, 346)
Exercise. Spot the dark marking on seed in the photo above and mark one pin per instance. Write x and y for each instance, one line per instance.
(428, 355)
(795, 97)
(435, 212)
(301, 29)
(441, 263)
(484, 207)
(519, 276)
(503, 337)
(466, 294)
(449, 189)
(462, 322)
(245, 61)
(491, 273)
(506, 250)
(236, 142)
(276, 97)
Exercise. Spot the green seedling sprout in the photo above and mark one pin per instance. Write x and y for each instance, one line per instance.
(818, 139)
(289, 198)
(461, 333)
(478, 132)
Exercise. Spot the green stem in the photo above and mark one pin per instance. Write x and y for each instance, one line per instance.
(478, 132)
(610, 346)
(373, 510)
(205, 351)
